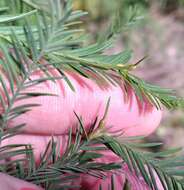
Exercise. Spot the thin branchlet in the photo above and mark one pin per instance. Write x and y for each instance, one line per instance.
(48, 32)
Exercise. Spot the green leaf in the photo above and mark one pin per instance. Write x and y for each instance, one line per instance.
(11, 18)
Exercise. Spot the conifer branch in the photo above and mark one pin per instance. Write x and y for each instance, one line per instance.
(50, 35)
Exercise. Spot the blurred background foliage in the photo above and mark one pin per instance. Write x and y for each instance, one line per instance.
(158, 33)
(105, 8)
